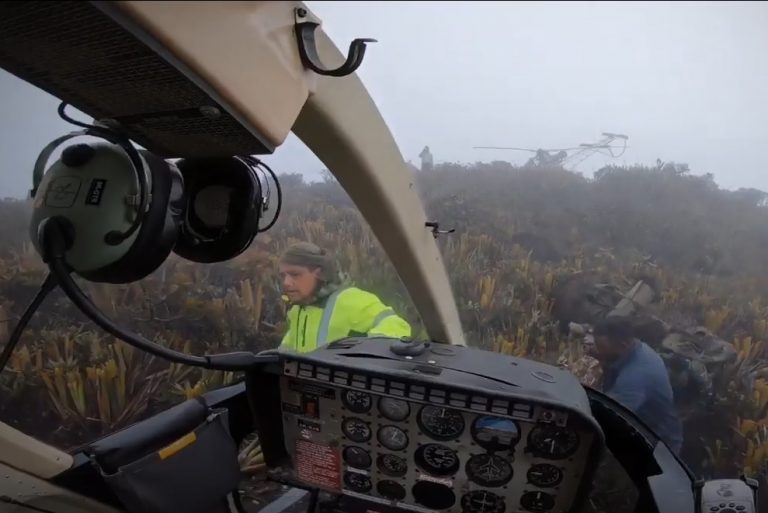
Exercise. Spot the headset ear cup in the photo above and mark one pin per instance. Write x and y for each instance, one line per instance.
(158, 232)
(201, 243)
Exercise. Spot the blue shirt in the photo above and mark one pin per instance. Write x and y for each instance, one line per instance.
(639, 381)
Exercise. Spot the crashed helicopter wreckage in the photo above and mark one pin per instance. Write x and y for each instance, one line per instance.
(694, 356)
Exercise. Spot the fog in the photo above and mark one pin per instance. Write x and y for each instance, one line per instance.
(686, 82)
(535, 248)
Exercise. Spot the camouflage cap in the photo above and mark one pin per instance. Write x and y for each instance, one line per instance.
(310, 255)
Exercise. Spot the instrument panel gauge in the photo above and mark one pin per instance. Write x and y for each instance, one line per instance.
(357, 482)
(482, 501)
(392, 465)
(391, 490)
(441, 423)
(552, 442)
(357, 457)
(355, 401)
(537, 502)
(437, 459)
(544, 475)
(394, 409)
(494, 433)
(433, 495)
(356, 430)
(392, 437)
(489, 470)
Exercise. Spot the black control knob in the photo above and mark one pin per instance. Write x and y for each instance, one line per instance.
(408, 347)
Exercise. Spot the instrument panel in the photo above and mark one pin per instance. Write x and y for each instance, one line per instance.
(422, 448)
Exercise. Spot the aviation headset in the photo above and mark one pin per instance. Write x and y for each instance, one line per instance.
(125, 209)
(224, 208)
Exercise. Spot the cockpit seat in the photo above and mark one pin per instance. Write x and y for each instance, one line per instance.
(156, 465)
(147, 436)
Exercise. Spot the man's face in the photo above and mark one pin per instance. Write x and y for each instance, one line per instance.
(589, 345)
(608, 350)
(299, 282)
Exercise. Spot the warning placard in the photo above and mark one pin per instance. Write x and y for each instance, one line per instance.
(319, 465)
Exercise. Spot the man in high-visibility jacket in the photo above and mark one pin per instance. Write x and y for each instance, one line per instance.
(322, 309)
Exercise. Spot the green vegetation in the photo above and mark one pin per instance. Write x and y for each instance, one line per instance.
(519, 232)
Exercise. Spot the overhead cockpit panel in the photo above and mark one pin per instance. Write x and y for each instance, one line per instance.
(94, 56)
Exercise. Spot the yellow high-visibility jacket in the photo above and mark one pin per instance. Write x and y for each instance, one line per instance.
(347, 312)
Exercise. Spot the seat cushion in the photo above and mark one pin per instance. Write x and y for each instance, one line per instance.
(152, 434)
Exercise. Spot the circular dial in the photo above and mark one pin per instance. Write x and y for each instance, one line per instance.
(394, 409)
(482, 501)
(437, 459)
(544, 475)
(537, 501)
(553, 442)
(357, 457)
(441, 423)
(433, 495)
(393, 438)
(494, 433)
(392, 465)
(390, 490)
(489, 470)
(358, 402)
(356, 430)
(357, 482)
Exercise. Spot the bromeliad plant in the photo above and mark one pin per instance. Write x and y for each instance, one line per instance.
(100, 386)
(68, 383)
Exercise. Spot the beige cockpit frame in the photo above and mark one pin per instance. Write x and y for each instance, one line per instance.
(232, 47)
(244, 55)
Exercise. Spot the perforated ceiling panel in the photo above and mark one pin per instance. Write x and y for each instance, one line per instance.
(78, 54)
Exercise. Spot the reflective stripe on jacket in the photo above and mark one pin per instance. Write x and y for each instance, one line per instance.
(346, 312)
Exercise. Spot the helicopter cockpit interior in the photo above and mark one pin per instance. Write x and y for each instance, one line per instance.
(478, 444)
(368, 425)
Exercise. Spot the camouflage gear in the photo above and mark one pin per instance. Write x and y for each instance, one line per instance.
(700, 345)
(586, 369)
(692, 356)
(690, 381)
(577, 360)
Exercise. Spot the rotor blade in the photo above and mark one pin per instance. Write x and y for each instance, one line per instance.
(502, 148)
(523, 149)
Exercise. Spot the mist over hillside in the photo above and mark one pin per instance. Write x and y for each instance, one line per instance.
(520, 232)
(666, 213)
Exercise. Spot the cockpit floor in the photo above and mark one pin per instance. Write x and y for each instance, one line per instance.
(262, 496)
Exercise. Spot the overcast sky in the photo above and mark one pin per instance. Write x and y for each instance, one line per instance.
(687, 82)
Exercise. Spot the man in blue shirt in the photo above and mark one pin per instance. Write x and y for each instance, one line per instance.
(635, 376)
